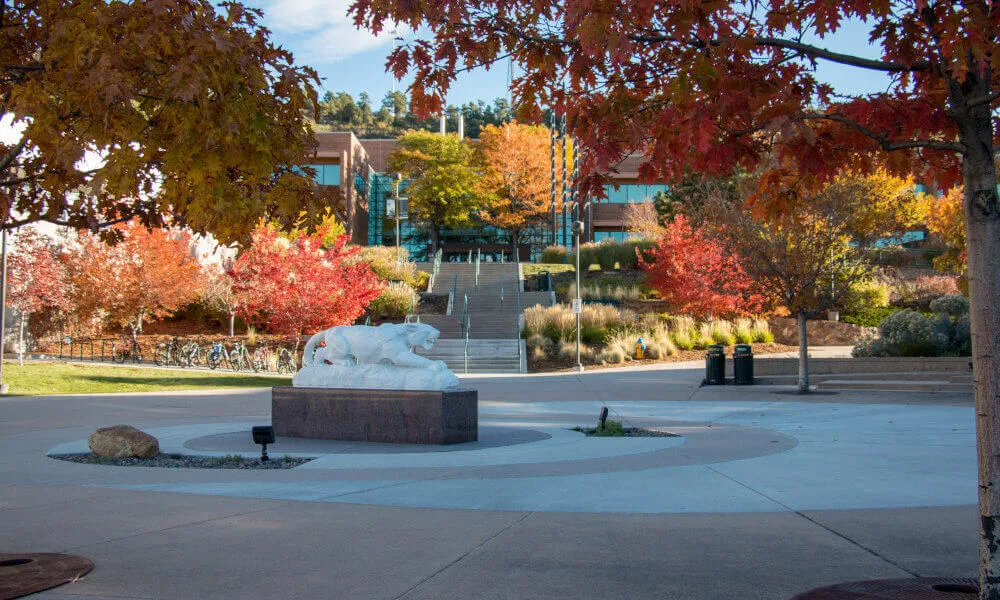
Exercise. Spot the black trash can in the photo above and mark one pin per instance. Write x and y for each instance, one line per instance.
(715, 365)
(743, 364)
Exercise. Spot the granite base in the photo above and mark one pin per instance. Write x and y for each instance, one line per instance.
(388, 416)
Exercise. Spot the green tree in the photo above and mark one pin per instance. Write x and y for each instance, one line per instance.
(443, 190)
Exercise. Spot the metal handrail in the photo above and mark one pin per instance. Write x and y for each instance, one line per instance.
(517, 325)
(451, 296)
(501, 292)
(465, 311)
(467, 327)
(479, 256)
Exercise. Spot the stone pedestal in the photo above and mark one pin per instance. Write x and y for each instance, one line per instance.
(391, 416)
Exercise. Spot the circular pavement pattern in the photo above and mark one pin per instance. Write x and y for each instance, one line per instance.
(730, 457)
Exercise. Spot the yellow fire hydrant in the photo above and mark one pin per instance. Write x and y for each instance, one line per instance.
(640, 349)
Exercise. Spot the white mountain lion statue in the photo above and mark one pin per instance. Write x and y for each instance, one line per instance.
(360, 356)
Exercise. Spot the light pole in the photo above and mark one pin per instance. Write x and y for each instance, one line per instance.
(578, 301)
(3, 304)
(395, 209)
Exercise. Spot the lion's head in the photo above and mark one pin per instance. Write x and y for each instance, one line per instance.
(421, 334)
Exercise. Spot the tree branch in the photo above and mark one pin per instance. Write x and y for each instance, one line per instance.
(7, 160)
(987, 99)
(844, 59)
(883, 140)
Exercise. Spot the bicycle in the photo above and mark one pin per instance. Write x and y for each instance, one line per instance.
(218, 355)
(127, 348)
(261, 359)
(239, 359)
(169, 353)
(286, 362)
(192, 354)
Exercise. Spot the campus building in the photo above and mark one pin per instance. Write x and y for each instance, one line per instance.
(360, 168)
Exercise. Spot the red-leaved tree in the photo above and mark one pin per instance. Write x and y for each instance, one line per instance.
(37, 280)
(693, 274)
(296, 287)
(709, 86)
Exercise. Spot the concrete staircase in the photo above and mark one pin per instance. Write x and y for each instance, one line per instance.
(493, 317)
(485, 356)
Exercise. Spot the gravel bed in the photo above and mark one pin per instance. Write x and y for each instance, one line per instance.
(626, 432)
(179, 461)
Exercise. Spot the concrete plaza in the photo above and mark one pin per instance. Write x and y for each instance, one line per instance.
(765, 494)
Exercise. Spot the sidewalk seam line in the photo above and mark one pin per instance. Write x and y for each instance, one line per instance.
(180, 525)
(817, 523)
(463, 556)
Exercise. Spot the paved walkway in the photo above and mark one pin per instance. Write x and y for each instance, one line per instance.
(762, 495)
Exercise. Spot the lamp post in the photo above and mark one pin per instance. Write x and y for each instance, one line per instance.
(578, 301)
(3, 304)
(395, 209)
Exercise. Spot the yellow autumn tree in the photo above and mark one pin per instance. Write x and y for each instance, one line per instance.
(945, 217)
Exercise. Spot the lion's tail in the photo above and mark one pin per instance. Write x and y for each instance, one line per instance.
(310, 348)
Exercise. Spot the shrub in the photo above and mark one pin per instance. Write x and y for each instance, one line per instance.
(619, 346)
(722, 332)
(567, 349)
(743, 331)
(393, 302)
(921, 291)
(422, 280)
(591, 334)
(703, 338)
(659, 344)
(383, 261)
(909, 333)
(619, 292)
(869, 317)
(863, 295)
(588, 255)
(953, 305)
(683, 332)
(553, 254)
(762, 331)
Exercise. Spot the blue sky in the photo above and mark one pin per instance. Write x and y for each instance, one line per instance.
(320, 35)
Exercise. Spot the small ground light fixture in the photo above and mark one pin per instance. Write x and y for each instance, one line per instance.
(263, 435)
(603, 418)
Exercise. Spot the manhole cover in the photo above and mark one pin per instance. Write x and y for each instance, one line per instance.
(924, 588)
(23, 574)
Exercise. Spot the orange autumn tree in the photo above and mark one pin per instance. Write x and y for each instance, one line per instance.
(515, 163)
(149, 274)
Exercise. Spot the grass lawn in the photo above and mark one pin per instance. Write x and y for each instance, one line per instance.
(45, 378)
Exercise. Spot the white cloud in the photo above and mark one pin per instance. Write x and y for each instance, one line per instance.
(319, 31)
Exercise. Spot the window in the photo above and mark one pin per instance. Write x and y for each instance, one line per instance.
(629, 193)
(327, 174)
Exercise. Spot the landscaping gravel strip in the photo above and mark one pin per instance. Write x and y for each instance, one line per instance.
(178, 461)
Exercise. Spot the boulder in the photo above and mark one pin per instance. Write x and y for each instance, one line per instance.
(123, 441)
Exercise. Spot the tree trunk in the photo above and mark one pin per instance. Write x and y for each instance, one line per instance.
(232, 324)
(982, 213)
(514, 234)
(435, 241)
(803, 354)
(20, 341)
